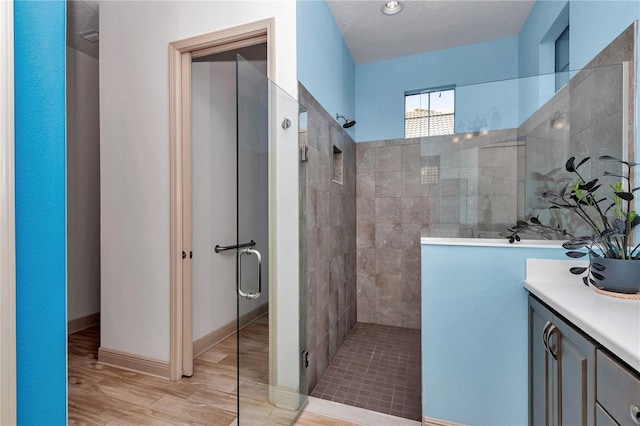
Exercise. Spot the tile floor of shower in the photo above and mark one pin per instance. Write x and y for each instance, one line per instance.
(377, 368)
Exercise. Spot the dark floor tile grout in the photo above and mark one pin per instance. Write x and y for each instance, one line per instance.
(377, 368)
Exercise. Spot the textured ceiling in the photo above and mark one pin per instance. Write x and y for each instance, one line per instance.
(424, 25)
(82, 16)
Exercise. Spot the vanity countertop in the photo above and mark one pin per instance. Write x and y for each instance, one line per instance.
(611, 321)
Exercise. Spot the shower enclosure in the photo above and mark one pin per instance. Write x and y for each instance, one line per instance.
(244, 143)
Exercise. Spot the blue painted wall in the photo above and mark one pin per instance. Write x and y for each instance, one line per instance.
(325, 66)
(594, 24)
(380, 86)
(474, 333)
(536, 59)
(40, 212)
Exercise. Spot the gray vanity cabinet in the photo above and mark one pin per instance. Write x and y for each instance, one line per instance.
(618, 392)
(561, 371)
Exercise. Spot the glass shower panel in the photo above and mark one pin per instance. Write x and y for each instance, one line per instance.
(511, 144)
(584, 119)
(268, 354)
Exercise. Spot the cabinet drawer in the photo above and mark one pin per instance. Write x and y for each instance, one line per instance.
(618, 389)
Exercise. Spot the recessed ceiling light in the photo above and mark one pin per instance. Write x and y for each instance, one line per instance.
(392, 7)
(91, 36)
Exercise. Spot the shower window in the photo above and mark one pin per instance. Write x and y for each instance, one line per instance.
(429, 112)
(562, 59)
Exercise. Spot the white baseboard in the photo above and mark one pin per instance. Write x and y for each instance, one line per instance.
(429, 421)
(286, 398)
(156, 368)
(82, 323)
(137, 363)
(208, 341)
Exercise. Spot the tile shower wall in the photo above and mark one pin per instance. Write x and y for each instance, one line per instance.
(331, 237)
(391, 211)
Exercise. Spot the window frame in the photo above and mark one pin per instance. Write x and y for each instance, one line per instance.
(429, 91)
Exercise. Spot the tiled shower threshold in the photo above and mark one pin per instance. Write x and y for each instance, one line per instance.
(352, 415)
(377, 368)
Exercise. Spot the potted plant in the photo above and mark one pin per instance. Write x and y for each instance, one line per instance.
(614, 260)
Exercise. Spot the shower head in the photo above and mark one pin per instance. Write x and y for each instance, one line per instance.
(347, 122)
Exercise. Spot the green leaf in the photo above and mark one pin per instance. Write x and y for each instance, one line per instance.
(577, 271)
(570, 166)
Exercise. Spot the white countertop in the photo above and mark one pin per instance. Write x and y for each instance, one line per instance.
(611, 321)
(489, 242)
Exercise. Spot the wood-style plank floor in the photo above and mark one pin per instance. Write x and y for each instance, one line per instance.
(103, 395)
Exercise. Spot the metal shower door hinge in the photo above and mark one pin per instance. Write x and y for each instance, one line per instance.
(304, 153)
(304, 358)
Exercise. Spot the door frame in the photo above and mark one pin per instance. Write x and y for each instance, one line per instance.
(180, 56)
(8, 401)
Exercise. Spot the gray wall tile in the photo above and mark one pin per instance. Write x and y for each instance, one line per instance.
(388, 159)
(366, 235)
(388, 210)
(389, 261)
(388, 184)
(391, 220)
(389, 286)
(411, 157)
(367, 261)
(366, 210)
(388, 235)
(330, 238)
(366, 185)
(365, 159)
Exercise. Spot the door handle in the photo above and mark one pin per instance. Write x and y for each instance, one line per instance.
(247, 252)
(634, 411)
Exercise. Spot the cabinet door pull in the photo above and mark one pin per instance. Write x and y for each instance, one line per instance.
(553, 329)
(545, 337)
(634, 410)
